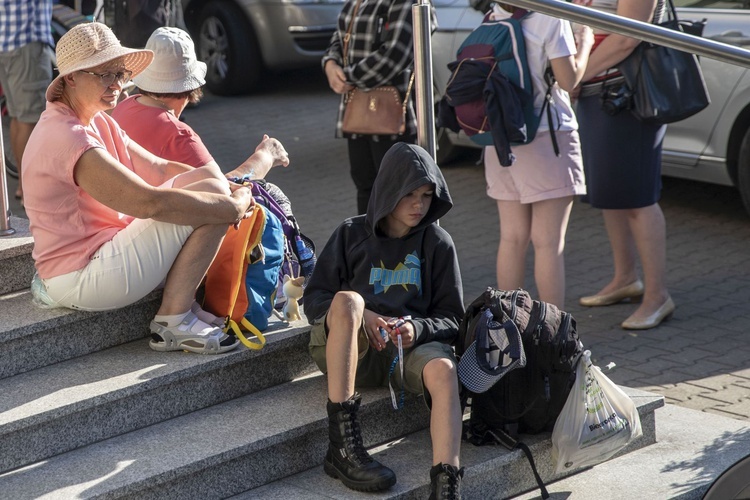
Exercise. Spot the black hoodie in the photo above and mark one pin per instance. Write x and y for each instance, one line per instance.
(416, 274)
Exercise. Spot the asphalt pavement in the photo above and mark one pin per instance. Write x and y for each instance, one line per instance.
(699, 359)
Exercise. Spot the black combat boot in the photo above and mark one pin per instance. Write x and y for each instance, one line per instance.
(347, 459)
(445, 482)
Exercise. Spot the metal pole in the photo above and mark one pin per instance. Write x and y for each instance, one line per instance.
(5, 229)
(423, 77)
(638, 29)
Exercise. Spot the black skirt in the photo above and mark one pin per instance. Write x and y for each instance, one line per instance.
(621, 157)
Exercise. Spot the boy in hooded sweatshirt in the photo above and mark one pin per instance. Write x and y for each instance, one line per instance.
(391, 272)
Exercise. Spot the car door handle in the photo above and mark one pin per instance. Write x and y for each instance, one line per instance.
(732, 37)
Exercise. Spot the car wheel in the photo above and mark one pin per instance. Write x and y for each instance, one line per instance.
(743, 170)
(227, 45)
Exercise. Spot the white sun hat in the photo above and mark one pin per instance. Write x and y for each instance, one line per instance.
(176, 68)
(88, 45)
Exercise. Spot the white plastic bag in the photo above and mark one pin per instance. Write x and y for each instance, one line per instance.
(597, 421)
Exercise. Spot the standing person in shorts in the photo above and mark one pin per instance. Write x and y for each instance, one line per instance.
(535, 195)
(25, 68)
(391, 273)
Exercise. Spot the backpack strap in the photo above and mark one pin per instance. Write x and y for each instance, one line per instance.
(503, 438)
(549, 77)
(519, 14)
(256, 346)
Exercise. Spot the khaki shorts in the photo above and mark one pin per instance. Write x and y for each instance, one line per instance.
(537, 174)
(373, 368)
(25, 74)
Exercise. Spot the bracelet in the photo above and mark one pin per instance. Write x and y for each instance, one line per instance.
(401, 321)
(239, 180)
(245, 179)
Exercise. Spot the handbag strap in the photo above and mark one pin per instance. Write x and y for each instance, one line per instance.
(348, 34)
(671, 11)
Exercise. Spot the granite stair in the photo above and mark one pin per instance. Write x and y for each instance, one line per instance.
(88, 410)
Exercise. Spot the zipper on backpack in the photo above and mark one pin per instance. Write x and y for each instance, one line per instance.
(540, 323)
(565, 325)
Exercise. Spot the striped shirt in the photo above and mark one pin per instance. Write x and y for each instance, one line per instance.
(23, 22)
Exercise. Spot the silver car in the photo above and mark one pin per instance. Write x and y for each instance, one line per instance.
(239, 39)
(711, 146)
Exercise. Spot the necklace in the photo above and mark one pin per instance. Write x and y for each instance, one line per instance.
(159, 103)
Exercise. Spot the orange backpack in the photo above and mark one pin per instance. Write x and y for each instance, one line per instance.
(225, 288)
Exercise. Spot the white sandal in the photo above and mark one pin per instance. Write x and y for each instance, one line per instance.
(191, 335)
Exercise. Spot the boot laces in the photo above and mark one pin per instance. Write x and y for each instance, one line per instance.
(353, 440)
(449, 484)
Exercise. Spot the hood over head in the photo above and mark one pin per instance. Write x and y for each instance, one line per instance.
(406, 167)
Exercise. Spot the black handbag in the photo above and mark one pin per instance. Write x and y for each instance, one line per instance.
(666, 84)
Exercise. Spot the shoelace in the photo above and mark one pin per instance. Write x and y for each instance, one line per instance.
(354, 445)
(449, 488)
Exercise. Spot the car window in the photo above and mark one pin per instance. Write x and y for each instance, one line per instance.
(713, 4)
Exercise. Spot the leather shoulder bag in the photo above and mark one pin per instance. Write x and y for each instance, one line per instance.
(379, 111)
(667, 84)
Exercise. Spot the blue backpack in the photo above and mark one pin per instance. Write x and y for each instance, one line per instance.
(490, 88)
(243, 280)
(262, 277)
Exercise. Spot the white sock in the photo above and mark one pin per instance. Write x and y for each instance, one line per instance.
(170, 319)
(204, 316)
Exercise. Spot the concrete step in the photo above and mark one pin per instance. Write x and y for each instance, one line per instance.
(490, 471)
(31, 337)
(16, 265)
(70, 404)
(693, 448)
(215, 452)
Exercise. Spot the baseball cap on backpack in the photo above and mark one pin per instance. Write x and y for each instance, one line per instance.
(496, 350)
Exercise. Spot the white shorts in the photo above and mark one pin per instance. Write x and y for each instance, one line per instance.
(537, 174)
(124, 270)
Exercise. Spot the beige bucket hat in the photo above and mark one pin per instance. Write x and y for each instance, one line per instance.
(176, 68)
(88, 45)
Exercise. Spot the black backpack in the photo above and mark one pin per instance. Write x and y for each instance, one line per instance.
(525, 400)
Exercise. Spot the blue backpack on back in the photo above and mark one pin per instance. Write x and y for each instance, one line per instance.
(490, 88)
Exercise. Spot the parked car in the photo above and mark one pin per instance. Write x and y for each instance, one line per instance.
(240, 39)
(712, 146)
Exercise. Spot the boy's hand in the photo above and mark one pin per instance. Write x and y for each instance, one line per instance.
(373, 324)
(403, 328)
(380, 330)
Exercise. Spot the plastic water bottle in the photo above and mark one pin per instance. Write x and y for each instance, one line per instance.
(306, 257)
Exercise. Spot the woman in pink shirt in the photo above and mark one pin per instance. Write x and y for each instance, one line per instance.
(112, 221)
